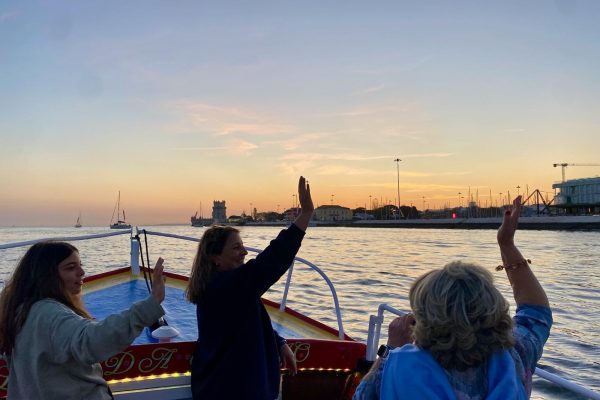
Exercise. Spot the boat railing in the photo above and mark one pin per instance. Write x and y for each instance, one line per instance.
(288, 282)
(64, 238)
(376, 321)
(135, 261)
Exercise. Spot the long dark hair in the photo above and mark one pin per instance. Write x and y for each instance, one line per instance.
(35, 278)
(212, 243)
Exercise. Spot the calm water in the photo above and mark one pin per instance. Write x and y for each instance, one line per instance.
(369, 266)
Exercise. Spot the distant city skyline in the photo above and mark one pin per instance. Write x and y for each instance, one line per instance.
(180, 105)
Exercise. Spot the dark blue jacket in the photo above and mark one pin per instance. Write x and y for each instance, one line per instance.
(237, 355)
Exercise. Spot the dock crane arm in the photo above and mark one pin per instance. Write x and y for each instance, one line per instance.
(564, 165)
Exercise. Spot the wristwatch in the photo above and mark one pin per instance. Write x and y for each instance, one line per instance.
(384, 350)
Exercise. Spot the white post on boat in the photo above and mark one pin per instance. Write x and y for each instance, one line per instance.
(135, 257)
(287, 288)
(372, 340)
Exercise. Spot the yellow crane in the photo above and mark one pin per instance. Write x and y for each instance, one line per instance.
(565, 165)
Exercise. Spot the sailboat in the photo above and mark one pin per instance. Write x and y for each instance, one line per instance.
(78, 223)
(120, 224)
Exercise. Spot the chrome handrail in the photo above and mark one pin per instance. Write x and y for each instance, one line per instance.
(375, 322)
(64, 239)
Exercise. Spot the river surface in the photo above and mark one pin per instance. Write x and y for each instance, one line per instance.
(369, 266)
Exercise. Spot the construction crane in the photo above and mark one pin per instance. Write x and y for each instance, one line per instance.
(565, 165)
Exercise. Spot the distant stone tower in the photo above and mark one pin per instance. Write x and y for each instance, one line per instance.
(219, 213)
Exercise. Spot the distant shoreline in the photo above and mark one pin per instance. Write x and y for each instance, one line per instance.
(566, 223)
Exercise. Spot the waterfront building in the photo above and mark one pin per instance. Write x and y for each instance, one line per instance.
(578, 196)
(333, 213)
(291, 213)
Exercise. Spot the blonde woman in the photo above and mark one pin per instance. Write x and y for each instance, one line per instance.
(460, 342)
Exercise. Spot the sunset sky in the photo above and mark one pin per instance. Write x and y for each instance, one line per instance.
(181, 103)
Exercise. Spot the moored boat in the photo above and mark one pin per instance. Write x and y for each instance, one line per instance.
(78, 223)
(121, 223)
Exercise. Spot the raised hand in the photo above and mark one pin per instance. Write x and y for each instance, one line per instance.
(506, 233)
(303, 219)
(158, 284)
(304, 196)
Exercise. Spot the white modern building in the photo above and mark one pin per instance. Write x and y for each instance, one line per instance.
(582, 194)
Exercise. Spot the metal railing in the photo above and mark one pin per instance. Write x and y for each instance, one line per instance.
(376, 321)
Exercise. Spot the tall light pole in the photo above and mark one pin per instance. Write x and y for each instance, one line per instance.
(397, 160)
(370, 204)
(332, 199)
(459, 202)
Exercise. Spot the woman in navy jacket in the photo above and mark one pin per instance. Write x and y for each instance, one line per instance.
(238, 353)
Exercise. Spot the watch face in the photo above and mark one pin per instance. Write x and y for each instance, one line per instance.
(383, 351)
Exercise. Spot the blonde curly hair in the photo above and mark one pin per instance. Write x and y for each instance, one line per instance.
(461, 318)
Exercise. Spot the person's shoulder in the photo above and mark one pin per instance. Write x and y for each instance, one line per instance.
(49, 306)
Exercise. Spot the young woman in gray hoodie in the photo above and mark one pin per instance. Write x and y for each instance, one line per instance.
(52, 344)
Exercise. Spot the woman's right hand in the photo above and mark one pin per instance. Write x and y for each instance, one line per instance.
(303, 219)
(506, 233)
(400, 330)
(304, 196)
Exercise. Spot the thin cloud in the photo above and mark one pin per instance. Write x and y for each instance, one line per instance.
(226, 121)
(427, 155)
(252, 129)
(8, 15)
(296, 168)
(397, 68)
(295, 142)
(410, 187)
(322, 156)
(344, 170)
(239, 147)
(200, 148)
(429, 174)
(364, 111)
(372, 89)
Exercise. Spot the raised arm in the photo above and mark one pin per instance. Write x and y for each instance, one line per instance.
(306, 204)
(526, 288)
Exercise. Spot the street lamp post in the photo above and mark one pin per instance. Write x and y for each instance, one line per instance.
(370, 204)
(397, 160)
(332, 199)
(459, 202)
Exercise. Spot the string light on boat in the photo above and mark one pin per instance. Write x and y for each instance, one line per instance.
(150, 377)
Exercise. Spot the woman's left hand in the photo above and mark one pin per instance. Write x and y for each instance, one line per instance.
(158, 284)
(288, 359)
(306, 203)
